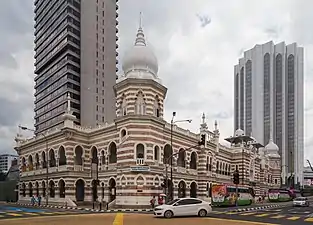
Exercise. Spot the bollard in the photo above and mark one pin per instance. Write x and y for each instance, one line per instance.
(100, 205)
(107, 206)
(93, 205)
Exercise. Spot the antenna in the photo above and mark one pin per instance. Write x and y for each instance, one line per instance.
(140, 19)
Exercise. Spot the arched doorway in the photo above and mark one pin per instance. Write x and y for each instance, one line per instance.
(112, 190)
(52, 189)
(37, 188)
(80, 190)
(30, 189)
(62, 188)
(193, 190)
(182, 189)
(94, 189)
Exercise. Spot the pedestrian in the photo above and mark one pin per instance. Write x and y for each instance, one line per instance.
(152, 202)
(32, 200)
(39, 200)
(160, 200)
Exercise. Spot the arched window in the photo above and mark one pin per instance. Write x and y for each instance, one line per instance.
(78, 156)
(156, 107)
(181, 161)
(30, 163)
(62, 156)
(112, 153)
(193, 161)
(140, 104)
(123, 106)
(156, 153)
(140, 154)
(52, 158)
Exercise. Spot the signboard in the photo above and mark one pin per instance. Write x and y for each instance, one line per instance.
(140, 168)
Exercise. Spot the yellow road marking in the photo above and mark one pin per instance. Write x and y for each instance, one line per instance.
(31, 214)
(13, 214)
(47, 213)
(293, 218)
(119, 219)
(309, 219)
(218, 212)
(231, 213)
(262, 215)
(241, 221)
(277, 217)
(248, 214)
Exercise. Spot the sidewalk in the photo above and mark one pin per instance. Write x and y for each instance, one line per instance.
(255, 206)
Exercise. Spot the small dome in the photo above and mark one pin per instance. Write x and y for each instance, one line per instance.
(272, 149)
(239, 132)
(140, 61)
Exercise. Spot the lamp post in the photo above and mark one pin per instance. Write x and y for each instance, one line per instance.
(171, 157)
(171, 137)
(47, 160)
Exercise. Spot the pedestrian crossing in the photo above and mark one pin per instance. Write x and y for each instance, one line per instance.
(21, 214)
(264, 214)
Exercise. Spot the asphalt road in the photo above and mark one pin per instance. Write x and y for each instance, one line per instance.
(121, 219)
(11, 212)
(288, 215)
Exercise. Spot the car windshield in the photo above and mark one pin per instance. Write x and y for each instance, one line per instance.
(300, 199)
(172, 202)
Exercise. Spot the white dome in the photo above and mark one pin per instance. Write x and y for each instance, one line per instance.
(272, 149)
(140, 61)
(239, 132)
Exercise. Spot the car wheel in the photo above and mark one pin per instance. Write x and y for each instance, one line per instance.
(168, 214)
(202, 213)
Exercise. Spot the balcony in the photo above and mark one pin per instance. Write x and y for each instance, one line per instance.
(193, 171)
(78, 168)
(140, 161)
(181, 169)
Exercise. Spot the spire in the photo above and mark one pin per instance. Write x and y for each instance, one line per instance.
(215, 124)
(203, 118)
(140, 37)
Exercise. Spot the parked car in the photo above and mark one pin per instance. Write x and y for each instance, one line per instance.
(301, 201)
(183, 207)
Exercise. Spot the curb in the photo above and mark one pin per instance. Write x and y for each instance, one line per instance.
(87, 209)
(256, 208)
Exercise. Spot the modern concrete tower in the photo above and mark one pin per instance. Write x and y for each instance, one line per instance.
(268, 96)
(75, 53)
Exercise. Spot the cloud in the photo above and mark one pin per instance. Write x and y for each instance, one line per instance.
(196, 64)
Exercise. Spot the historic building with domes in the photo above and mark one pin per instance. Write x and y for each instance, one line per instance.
(124, 162)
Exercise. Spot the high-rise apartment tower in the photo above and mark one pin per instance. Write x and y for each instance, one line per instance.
(268, 102)
(75, 53)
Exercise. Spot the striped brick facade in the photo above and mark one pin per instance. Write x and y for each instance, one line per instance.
(214, 163)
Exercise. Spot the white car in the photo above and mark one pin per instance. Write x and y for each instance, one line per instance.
(301, 201)
(183, 207)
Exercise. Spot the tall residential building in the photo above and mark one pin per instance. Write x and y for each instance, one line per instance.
(75, 53)
(268, 102)
(6, 162)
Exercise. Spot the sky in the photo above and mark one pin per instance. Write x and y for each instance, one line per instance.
(196, 59)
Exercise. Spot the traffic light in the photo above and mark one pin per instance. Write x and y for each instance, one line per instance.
(236, 177)
(202, 140)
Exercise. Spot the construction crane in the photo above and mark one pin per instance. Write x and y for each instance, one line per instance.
(310, 164)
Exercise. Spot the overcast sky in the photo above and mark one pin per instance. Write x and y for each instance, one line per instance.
(196, 62)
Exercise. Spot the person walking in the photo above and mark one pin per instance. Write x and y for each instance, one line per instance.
(152, 202)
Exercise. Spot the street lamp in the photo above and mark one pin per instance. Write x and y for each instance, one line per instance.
(47, 159)
(171, 157)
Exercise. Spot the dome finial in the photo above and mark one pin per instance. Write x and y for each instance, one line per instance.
(140, 37)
